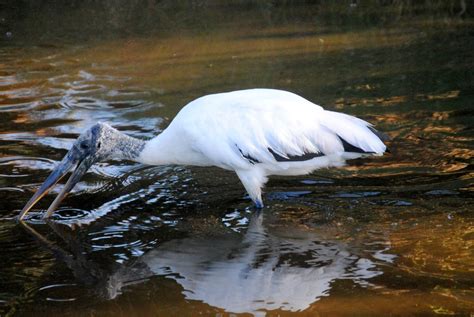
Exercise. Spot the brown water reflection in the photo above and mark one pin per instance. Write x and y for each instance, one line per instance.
(392, 235)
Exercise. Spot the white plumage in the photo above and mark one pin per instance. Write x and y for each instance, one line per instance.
(261, 132)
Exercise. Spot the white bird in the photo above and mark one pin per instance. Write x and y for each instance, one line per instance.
(255, 132)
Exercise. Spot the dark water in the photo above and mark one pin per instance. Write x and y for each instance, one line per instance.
(391, 235)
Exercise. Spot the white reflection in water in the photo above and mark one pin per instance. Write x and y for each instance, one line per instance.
(269, 267)
(286, 269)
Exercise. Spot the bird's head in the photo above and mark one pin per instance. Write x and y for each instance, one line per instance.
(99, 143)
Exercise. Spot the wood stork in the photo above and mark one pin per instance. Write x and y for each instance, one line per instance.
(255, 132)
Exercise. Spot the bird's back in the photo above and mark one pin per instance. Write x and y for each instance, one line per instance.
(252, 126)
(259, 100)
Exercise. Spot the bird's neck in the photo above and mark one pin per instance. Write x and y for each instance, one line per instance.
(170, 148)
(159, 150)
(129, 148)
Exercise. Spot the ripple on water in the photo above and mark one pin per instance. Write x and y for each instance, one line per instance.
(71, 215)
(288, 194)
(56, 292)
(22, 263)
(125, 238)
(237, 220)
(318, 181)
(356, 194)
(23, 162)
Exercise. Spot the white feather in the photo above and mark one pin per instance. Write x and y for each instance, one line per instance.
(235, 131)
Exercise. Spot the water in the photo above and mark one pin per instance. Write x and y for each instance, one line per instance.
(391, 235)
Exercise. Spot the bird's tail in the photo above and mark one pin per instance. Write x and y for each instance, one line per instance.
(356, 135)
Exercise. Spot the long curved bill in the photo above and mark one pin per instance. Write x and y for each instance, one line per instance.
(58, 173)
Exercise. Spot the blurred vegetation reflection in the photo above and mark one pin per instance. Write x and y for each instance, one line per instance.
(89, 19)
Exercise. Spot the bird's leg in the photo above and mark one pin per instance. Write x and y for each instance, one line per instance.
(253, 181)
(258, 203)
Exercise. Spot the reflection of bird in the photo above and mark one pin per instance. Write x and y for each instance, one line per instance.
(256, 133)
(285, 268)
(272, 266)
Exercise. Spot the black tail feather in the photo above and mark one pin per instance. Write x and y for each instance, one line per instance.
(382, 136)
(352, 148)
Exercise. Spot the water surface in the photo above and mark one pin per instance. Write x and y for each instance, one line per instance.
(390, 235)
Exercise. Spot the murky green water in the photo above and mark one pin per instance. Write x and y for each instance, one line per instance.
(391, 235)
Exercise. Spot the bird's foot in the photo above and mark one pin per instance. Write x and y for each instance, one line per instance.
(258, 204)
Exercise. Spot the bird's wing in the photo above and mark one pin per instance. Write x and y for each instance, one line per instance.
(274, 127)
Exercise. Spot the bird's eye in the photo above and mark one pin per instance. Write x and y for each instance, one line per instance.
(84, 146)
(98, 145)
